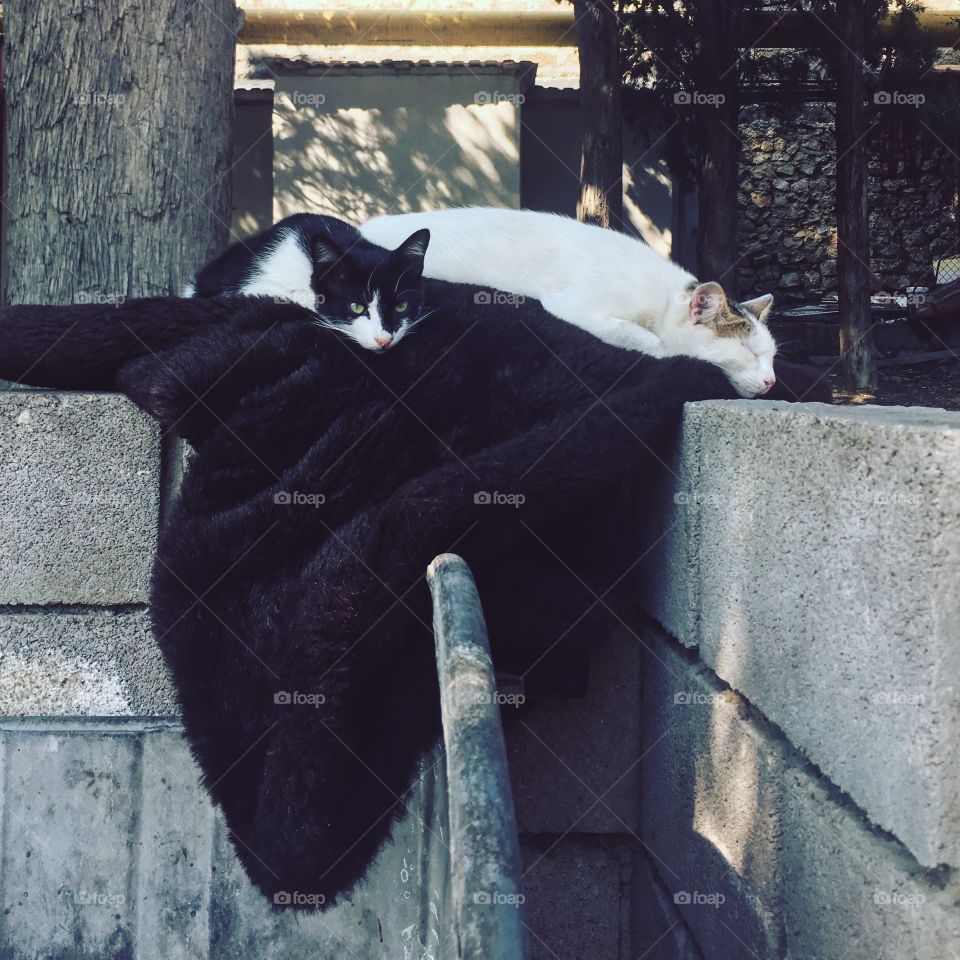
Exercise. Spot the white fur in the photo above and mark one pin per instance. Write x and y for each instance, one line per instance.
(367, 329)
(189, 290)
(612, 285)
(284, 272)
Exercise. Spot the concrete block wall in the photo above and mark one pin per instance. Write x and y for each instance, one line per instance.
(108, 845)
(801, 680)
(764, 765)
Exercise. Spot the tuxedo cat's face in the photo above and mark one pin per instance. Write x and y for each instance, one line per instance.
(734, 336)
(374, 299)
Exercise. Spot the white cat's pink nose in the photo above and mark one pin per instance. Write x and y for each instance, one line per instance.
(768, 383)
(383, 340)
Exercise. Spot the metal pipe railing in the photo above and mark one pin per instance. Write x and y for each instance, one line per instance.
(485, 854)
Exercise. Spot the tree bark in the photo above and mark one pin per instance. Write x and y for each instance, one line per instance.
(857, 350)
(717, 103)
(118, 145)
(601, 162)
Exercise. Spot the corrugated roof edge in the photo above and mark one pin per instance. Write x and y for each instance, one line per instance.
(526, 70)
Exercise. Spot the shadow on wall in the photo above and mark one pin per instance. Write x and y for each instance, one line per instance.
(550, 172)
(358, 146)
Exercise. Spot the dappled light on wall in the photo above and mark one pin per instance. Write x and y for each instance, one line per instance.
(355, 147)
(728, 783)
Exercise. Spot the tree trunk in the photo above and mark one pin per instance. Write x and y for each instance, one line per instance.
(601, 163)
(857, 349)
(118, 143)
(717, 103)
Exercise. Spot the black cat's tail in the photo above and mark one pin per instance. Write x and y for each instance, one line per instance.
(83, 346)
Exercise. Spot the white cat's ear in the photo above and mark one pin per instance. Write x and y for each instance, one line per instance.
(707, 303)
(324, 250)
(415, 246)
(759, 307)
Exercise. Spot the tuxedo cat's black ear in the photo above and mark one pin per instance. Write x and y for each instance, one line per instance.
(324, 250)
(412, 251)
(332, 268)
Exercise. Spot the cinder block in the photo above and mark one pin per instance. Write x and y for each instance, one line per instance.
(823, 571)
(710, 807)
(665, 516)
(574, 764)
(79, 496)
(732, 812)
(102, 663)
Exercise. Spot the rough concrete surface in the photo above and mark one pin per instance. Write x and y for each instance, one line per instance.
(732, 811)
(95, 663)
(111, 849)
(823, 568)
(576, 890)
(79, 495)
(574, 763)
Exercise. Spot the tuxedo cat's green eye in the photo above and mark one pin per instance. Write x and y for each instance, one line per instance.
(357, 308)
(402, 306)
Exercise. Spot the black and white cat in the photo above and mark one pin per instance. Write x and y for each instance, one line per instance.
(371, 295)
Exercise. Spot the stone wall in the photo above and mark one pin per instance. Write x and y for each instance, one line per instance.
(787, 222)
(801, 681)
(763, 766)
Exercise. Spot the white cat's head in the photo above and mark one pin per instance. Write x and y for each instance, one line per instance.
(734, 336)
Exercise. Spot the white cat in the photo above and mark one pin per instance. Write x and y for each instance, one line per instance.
(610, 284)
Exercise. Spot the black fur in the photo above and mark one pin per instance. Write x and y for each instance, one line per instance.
(253, 597)
(347, 270)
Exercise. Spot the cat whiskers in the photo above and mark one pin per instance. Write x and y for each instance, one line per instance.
(328, 324)
(423, 316)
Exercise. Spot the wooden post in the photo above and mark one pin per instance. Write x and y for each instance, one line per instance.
(118, 136)
(601, 164)
(717, 103)
(857, 349)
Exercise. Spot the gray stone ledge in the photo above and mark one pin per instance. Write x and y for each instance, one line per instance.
(812, 553)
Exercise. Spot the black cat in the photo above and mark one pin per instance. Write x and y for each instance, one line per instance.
(360, 290)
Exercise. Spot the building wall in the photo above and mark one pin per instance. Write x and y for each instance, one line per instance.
(551, 141)
(471, 139)
(366, 142)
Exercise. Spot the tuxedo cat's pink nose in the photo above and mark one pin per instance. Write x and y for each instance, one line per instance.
(383, 340)
(768, 383)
